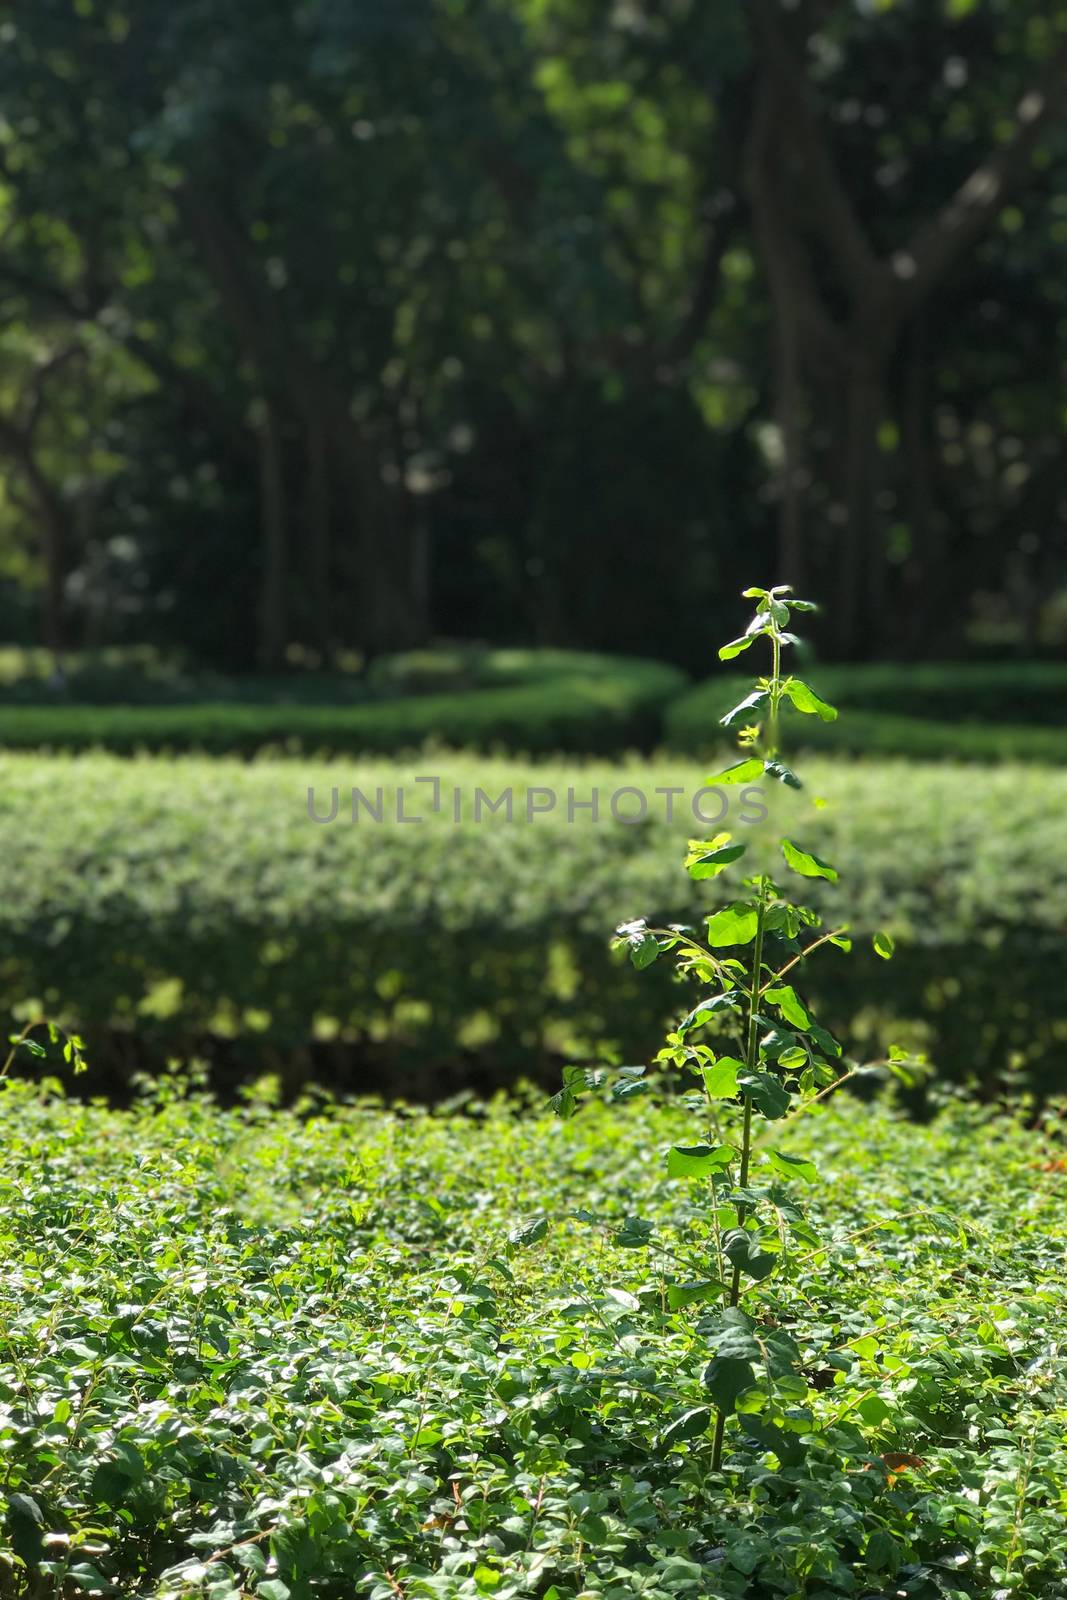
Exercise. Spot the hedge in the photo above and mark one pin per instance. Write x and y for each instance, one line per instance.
(970, 713)
(175, 899)
(529, 702)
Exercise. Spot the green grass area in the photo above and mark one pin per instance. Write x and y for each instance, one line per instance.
(531, 701)
(298, 1356)
(169, 898)
(965, 713)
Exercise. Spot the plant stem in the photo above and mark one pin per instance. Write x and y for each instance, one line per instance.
(775, 694)
(751, 1054)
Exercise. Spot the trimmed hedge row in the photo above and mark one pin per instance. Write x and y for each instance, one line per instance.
(536, 702)
(968, 713)
(174, 898)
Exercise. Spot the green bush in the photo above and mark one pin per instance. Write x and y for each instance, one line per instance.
(971, 713)
(523, 701)
(350, 1353)
(172, 898)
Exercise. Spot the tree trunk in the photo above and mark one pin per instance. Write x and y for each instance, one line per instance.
(273, 591)
(926, 570)
(55, 554)
(789, 407)
(861, 569)
(385, 611)
(318, 543)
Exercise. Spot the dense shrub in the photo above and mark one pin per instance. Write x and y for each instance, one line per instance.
(345, 1353)
(972, 713)
(194, 895)
(522, 701)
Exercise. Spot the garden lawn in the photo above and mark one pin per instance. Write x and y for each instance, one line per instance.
(370, 1354)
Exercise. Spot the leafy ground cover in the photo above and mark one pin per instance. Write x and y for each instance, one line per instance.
(356, 1352)
(535, 701)
(188, 897)
(998, 712)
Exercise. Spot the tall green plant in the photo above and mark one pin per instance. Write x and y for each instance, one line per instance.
(778, 1061)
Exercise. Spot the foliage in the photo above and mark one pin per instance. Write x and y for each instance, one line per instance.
(386, 312)
(556, 700)
(778, 1061)
(191, 895)
(532, 701)
(310, 1353)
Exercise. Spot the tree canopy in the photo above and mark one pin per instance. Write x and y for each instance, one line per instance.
(332, 323)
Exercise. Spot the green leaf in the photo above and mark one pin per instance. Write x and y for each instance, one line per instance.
(690, 1425)
(680, 1295)
(734, 924)
(25, 1507)
(720, 1080)
(86, 1576)
(749, 706)
(884, 946)
(778, 1041)
(789, 1003)
(706, 862)
(791, 1166)
(823, 1040)
(766, 1094)
(526, 1234)
(564, 1105)
(724, 1378)
(635, 1233)
(273, 1589)
(698, 1160)
(704, 1012)
(883, 1554)
(742, 1249)
(643, 950)
(874, 1410)
(732, 1333)
(727, 652)
(783, 774)
(805, 699)
(740, 772)
(808, 865)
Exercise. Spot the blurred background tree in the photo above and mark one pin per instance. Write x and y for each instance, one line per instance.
(343, 325)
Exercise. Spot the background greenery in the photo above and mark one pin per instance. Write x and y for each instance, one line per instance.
(340, 325)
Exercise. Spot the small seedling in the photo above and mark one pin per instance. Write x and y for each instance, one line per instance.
(749, 958)
(71, 1046)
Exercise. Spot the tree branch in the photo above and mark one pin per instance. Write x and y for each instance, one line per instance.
(806, 153)
(938, 245)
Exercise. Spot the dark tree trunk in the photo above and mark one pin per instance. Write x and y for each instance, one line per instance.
(273, 590)
(790, 412)
(55, 551)
(54, 521)
(861, 568)
(926, 568)
(381, 551)
(318, 535)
